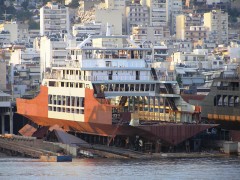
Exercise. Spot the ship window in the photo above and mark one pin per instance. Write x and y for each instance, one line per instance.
(82, 102)
(59, 99)
(231, 101)
(62, 84)
(50, 108)
(63, 109)
(63, 100)
(68, 110)
(76, 85)
(58, 109)
(49, 99)
(77, 100)
(137, 87)
(82, 111)
(71, 84)
(54, 100)
(73, 101)
(77, 111)
(147, 87)
(52, 83)
(152, 87)
(54, 108)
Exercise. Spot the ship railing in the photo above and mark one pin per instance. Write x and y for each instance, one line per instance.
(116, 78)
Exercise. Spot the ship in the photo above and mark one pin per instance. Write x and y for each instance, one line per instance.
(222, 105)
(113, 87)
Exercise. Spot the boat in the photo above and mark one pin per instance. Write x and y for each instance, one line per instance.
(222, 105)
(109, 83)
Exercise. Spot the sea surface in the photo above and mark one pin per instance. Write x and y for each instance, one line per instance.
(225, 168)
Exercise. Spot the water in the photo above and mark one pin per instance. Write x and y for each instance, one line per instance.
(110, 169)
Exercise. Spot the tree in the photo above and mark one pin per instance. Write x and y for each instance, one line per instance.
(33, 25)
(179, 80)
(25, 5)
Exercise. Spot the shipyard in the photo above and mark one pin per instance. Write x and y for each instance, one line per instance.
(140, 80)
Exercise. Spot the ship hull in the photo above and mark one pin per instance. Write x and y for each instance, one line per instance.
(169, 133)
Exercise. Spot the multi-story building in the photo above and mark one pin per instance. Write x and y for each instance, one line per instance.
(196, 33)
(86, 29)
(23, 33)
(112, 17)
(144, 34)
(157, 15)
(12, 28)
(136, 15)
(193, 59)
(26, 56)
(184, 22)
(52, 52)
(174, 8)
(32, 34)
(4, 37)
(54, 18)
(217, 22)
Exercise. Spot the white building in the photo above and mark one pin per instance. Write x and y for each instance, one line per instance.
(5, 37)
(136, 15)
(12, 28)
(54, 18)
(144, 34)
(52, 52)
(87, 29)
(192, 59)
(158, 14)
(112, 17)
(217, 22)
(27, 56)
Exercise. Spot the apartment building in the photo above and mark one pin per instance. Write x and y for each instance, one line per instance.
(217, 22)
(174, 8)
(136, 14)
(25, 56)
(193, 59)
(4, 37)
(54, 18)
(12, 28)
(112, 17)
(184, 22)
(196, 33)
(158, 14)
(144, 34)
(85, 29)
(52, 52)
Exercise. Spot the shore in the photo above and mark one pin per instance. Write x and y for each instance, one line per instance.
(3, 155)
(183, 155)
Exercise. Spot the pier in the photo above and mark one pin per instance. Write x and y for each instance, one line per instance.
(22, 146)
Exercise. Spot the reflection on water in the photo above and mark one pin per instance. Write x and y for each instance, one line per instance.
(169, 168)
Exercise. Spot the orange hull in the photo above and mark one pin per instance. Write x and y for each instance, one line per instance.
(94, 112)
